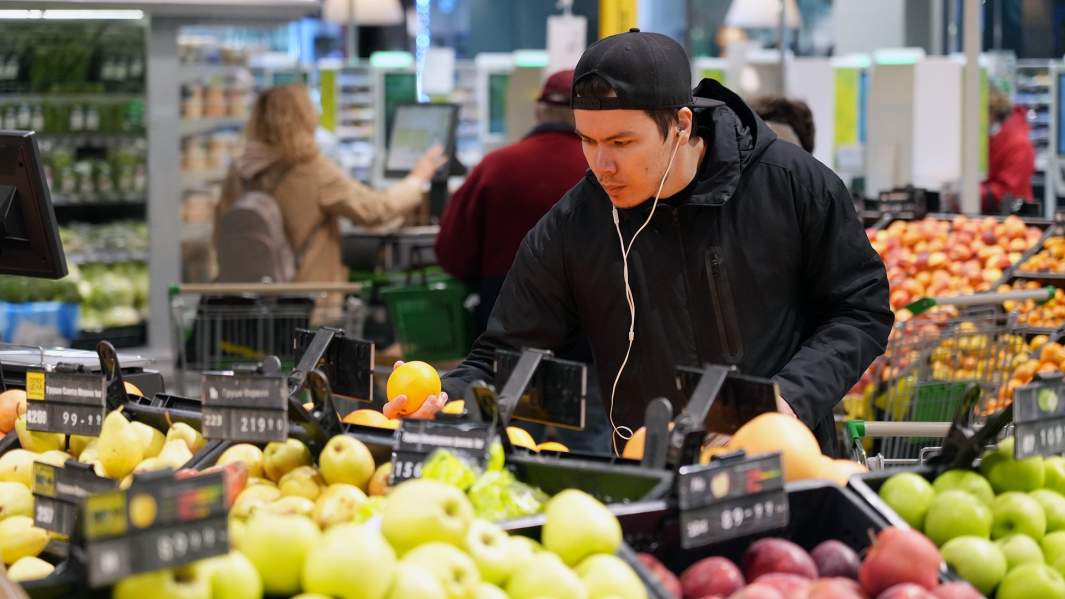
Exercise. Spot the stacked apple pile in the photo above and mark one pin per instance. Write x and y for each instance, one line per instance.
(1049, 259)
(931, 258)
(122, 449)
(901, 564)
(1039, 357)
(426, 544)
(1048, 315)
(1002, 529)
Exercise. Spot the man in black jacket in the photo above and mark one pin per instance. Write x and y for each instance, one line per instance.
(695, 238)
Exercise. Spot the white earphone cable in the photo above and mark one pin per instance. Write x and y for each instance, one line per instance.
(623, 431)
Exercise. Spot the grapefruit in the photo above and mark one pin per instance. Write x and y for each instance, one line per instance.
(457, 407)
(10, 402)
(552, 446)
(520, 437)
(367, 418)
(772, 431)
(633, 449)
(416, 380)
(837, 471)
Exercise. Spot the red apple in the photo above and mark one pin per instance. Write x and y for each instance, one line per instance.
(789, 585)
(765, 556)
(711, 576)
(667, 579)
(906, 590)
(835, 588)
(956, 590)
(897, 556)
(757, 591)
(834, 558)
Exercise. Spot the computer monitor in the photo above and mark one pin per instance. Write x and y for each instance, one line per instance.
(415, 129)
(29, 236)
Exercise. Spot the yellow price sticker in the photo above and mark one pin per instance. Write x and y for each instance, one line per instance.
(35, 386)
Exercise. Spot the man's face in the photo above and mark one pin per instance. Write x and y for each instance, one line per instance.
(625, 151)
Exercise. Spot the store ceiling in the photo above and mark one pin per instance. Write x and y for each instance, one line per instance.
(242, 10)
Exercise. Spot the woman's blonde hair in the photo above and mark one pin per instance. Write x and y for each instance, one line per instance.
(284, 119)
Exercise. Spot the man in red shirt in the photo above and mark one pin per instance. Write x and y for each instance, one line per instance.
(507, 193)
(1011, 156)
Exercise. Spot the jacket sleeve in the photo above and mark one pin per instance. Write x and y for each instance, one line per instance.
(535, 308)
(1013, 171)
(458, 247)
(343, 196)
(848, 287)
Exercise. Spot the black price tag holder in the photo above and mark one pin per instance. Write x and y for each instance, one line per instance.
(159, 522)
(903, 202)
(537, 387)
(245, 406)
(59, 493)
(71, 400)
(731, 497)
(416, 440)
(1039, 418)
(347, 362)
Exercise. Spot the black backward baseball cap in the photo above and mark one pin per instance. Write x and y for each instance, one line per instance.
(646, 70)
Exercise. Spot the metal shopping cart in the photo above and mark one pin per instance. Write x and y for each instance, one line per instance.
(219, 325)
(969, 344)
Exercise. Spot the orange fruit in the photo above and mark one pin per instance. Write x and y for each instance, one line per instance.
(11, 401)
(633, 449)
(416, 380)
(839, 471)
(521, 438)
(552, 446)
(367, 418)
(772, 431)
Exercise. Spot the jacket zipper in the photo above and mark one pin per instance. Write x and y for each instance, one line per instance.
(687, 284)
(724, 311)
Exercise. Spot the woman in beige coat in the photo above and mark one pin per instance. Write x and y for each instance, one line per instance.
(314, 193)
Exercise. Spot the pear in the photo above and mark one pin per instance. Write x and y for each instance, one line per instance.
(29, 568)
(291, 505)
(251, 455)
(77, 444)
(150, 465)
(175, 454)
(337, 504)
(252, 498)
(120, 446)
(15, 500)
(303, 481)
(281, 457)
(192, 438)
(17, 466)
(36, 440)
(90, 453)
(54, 457)
(152, 439)
(20, 538)
(98, 468)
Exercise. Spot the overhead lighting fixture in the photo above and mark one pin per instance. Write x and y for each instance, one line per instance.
(72, 15)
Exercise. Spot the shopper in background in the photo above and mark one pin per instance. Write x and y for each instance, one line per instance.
(282, 158)
(507, 193)
(791, 120)
(696, 238)
(1010, 155)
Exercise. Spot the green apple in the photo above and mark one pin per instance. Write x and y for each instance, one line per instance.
(301, 481)
(346, 460)
(1032, 580)
(1054, 477)
(965, 480)
(490, 548)
(977, 560)
(1020, 549)
(909, 494)
(1053, 546)
(164, 584)
(578, 525)
(192, 437)
(337, 504)
(1007, 474)
(415, 582)
(1015, 512)
(544, 575)
(251, 455)
(278, 545)
(352, 562)
(455, 570)
(489, 591)
(1053, 507)
(957, 514)
(420, 511)
(233, 576)
(608, 577)
(281, 457)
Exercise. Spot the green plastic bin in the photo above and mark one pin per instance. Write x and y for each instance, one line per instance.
(430, 318)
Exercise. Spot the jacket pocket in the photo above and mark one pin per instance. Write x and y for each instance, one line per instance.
(723, 307)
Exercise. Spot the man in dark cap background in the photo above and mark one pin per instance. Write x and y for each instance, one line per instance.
(507, 193)
(696, 237)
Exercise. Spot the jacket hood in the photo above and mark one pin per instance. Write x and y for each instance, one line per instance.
(257, 158)
(735, 136)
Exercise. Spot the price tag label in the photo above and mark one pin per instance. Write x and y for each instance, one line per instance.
(160, 523)
(60, 491)
(244, 407)
(1039, 419)
(65, 402)
(417, 439)
(725, 500)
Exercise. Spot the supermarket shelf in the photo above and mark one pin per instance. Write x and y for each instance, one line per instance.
(103, 137)
(1045, 276)
(97, 98)
(101, 212)
(60, 200)
(191, 128)
(197, 72)
(107, 257)
(194, 181)
(121, 337)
